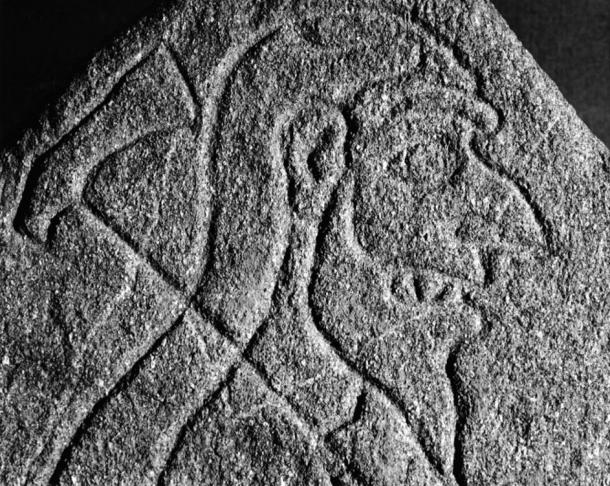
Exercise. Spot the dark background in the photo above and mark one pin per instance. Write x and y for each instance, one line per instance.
(570, 39)
(43, 43)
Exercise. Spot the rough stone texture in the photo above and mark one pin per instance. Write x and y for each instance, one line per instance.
(325, 242)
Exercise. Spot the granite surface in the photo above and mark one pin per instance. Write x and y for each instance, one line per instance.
(337, 243)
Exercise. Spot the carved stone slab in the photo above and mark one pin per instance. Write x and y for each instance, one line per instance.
(326, 243)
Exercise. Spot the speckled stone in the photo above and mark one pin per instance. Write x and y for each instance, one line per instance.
(307, 243)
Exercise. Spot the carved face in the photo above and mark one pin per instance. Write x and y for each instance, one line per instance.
(423, 199)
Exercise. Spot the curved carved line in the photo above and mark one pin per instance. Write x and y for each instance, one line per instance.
(123, 382)
(352, 365)
(458, 447)
(121, 385)
(34, 166)
(40, 165)
(525, 195)
(224, 73)
(181, 437)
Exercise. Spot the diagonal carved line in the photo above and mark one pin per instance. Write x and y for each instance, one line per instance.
(121, 385)
(153, 265)
(181, 69)
(38, 165)
(246, 360)
(190, 422)
(233, 59)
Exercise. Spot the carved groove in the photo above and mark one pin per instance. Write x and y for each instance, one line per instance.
(161, 480)
(121, 385)
(135, 246)
(324, 227)
(38, 165)
(525, 194)
(185, 77)
(459, 471)
(218, 100)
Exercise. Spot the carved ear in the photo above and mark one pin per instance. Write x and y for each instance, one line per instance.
(151, 98)
(314, 153)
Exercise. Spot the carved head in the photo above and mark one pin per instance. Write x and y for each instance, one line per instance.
(423, 198)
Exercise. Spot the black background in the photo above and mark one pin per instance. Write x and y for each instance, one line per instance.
(570, 39)
(44, 43)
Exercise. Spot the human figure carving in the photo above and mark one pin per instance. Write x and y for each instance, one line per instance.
(416, 262)
(299, 211)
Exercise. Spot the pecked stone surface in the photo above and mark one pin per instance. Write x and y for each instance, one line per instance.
(331, 242)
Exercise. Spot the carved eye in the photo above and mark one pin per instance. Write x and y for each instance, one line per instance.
(429, 167)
